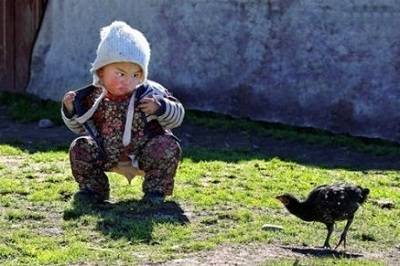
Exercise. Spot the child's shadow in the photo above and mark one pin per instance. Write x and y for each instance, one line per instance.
(131, 219)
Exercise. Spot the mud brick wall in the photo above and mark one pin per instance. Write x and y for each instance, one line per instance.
(324, 63)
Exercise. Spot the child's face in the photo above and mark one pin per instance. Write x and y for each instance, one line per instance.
(120, 78)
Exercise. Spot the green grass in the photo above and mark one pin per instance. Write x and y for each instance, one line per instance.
(216, 202)
(221, 198)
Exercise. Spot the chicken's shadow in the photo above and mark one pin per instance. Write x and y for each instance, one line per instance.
(322, 252)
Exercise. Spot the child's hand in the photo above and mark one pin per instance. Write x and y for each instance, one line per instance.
(149, 105)
(68, 101)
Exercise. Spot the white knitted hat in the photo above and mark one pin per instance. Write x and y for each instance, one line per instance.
(121, 43)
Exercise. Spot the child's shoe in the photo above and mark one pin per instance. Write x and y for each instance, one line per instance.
(154, 198)
(87, 194)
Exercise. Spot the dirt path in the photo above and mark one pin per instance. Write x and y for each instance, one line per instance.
(263, 254)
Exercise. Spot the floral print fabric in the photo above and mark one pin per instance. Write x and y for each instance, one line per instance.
(157, 151)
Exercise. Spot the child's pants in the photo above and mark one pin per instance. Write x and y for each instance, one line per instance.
(158, 158)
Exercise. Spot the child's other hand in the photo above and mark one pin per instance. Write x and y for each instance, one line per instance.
(68, 101)
(149, 105)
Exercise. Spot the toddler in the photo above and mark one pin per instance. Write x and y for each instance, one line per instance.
(125, 120)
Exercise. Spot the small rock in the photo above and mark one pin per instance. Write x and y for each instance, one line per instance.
(385, 204)
(52, 231)
(271, 227)
(45, 123)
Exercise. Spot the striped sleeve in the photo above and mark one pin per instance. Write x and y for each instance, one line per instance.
(171, 114)
(71, 123)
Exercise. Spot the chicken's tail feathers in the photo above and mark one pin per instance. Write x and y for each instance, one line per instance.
(364, 193)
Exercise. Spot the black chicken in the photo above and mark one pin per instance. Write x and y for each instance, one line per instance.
(327, 204)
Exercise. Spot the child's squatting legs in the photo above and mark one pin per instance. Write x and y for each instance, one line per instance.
(159, 160)
(88, 169)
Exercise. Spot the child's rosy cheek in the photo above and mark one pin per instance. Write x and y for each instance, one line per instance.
(114, 82)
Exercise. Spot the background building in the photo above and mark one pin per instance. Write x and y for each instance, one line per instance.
(326, 64)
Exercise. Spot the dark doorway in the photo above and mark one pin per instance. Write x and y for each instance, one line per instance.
(19, 24)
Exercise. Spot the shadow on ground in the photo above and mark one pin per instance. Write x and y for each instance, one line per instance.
(312, 155)
(37, 146)
(217, 144)
(322, 253)
(132, 219)
(325, 157)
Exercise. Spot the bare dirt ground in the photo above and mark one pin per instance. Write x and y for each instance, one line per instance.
(194, 136)
(266, 254)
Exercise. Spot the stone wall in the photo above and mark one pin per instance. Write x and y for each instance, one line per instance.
(320, 63)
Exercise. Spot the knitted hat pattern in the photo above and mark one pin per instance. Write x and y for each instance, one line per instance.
(121, 43)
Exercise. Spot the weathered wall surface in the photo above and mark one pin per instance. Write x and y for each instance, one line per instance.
(322, 63)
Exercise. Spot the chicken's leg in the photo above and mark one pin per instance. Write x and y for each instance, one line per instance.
(329, 227)
(344, 234)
